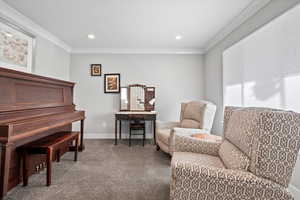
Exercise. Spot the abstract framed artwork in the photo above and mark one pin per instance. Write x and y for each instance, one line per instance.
(96, 70)
(17, 47)
(112, 83)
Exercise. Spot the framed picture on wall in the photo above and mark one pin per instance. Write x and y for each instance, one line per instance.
(17, 46)
(112, 83)
(96, 70)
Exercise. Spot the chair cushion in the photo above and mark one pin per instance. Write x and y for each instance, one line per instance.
(241, 129)
(189, 123)
(232, 157)
(199, 159)
(163, 135)
(192, 114)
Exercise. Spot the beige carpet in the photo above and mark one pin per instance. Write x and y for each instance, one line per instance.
(104, 171)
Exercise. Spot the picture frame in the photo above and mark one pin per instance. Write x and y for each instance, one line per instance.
(96, 70)
(17, 46)
(112, 83)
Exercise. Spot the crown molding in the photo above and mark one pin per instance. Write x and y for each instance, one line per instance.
(14, 15)
(135, 51)
(248, 12)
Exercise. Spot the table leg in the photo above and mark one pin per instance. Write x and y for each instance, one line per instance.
(116, 131)
(120, 129)
(5, 165)
(154, 131)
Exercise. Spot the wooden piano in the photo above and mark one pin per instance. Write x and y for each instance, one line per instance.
(31, 107)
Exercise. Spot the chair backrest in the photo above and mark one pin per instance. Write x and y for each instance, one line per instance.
(270, 138)
(197, 114)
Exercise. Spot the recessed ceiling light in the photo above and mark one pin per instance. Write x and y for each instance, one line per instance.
(91, 36)
(178, 37)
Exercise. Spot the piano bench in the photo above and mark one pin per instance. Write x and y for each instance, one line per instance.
(49, 146)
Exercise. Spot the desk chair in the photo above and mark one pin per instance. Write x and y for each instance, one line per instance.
(137, 126)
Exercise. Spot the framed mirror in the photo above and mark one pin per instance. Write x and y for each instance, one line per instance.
(137, 97)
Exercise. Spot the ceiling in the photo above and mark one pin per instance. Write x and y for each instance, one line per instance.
(132, 24)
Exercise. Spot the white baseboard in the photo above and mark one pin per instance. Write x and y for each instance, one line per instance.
(111, 136)
(295, 192)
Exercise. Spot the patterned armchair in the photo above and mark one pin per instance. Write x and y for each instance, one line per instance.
(254, 161)
(195, 117)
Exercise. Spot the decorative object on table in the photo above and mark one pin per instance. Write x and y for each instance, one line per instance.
(16, 46)
(96, 70)
(137, 97)
(203, 136)
(112, 83)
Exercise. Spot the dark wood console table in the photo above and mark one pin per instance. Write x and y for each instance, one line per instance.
(127, 116)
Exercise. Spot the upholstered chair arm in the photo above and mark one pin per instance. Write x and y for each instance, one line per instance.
(184, 143)
(167, 125)
(192, 181)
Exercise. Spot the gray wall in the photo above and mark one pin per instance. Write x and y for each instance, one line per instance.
(177, 78)
(213, 60)
(51, 60)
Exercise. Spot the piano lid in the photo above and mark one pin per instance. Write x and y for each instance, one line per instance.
(31, 104)
(23, 91)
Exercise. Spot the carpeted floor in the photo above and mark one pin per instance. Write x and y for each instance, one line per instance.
(104, 171)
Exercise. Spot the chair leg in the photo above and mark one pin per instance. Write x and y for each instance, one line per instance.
(157, 147)
(130, 137)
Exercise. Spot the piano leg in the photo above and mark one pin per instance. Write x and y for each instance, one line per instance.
(81, 147)
(5, 165)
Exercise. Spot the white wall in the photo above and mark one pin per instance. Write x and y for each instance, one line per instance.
(50, 60)
(177, 78)
(213, 61)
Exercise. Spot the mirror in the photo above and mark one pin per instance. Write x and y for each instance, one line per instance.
(137, 98)
(124, 99)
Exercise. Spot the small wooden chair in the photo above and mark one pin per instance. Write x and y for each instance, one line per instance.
(136, 126)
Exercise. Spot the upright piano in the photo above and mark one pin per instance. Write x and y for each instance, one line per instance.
(31, 107)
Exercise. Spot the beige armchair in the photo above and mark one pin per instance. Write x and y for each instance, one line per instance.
(195, 117)
(254, 161)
